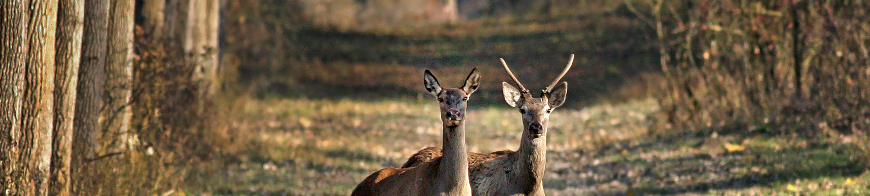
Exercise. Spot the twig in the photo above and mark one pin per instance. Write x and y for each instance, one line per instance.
(104, 156)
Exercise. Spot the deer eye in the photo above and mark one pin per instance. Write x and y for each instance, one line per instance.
(522, 111)
(465, 99)
(440, 99)
(549, 110)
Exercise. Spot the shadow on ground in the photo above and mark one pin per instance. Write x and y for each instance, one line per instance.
(611, 50)
(697, 162)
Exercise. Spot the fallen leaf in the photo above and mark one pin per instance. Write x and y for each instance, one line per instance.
(791, 187)
(304, 122)
(734, 147)
(849, 181)
(755, 169)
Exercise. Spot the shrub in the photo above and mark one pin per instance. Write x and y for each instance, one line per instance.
(746, 64)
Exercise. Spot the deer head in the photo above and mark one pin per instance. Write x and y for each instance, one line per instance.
(453, 101)
(535, 111)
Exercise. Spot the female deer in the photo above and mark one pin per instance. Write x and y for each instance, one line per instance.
(445, 175)
(514, 172)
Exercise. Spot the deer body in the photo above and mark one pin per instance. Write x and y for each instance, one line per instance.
(443, 175)
(518, 172)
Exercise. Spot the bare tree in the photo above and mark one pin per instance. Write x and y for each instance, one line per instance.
(67, 59)
(153, 13)
(211, 44)
(201, 42)
(37, 111)
(176, 31)
(13, 52)
(451, 8)
(119, 75)
(797, 50)
(89, 97)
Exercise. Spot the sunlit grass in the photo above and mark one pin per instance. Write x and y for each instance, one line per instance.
(307, 146)
(302, 146)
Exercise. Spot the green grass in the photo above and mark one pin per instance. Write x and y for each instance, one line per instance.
(298, 146)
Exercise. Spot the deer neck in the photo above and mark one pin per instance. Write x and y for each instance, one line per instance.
(454, 162)
(531, 160)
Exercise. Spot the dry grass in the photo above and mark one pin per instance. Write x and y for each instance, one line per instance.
(324, 146)
(299, 146)
(313, 147)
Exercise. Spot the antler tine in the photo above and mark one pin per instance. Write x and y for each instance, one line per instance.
(570, 62)
(506, 68)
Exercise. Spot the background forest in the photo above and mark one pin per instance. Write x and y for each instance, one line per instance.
(307, 97)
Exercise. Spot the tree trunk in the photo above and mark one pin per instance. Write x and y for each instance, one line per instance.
(69, 40)
(193, 30)
(152, 11)
(13, 53)
(176, 28)
(38, 107)
(119, 76)
(797, 48)
(451, 8)
(88, 97)
(205, 51)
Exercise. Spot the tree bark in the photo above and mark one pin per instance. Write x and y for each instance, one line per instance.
(153, 12)
(192, 28)
(68, 45)
(175, 29)
(89, 93)
(451, 8)
(206, 49)
(38, 107)
(13, 53)
(119, 76)
(797, 48)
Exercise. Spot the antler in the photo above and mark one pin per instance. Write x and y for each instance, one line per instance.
(547, 90)
(522, 88)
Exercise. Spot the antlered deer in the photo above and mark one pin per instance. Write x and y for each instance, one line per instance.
(444, 175)
(514, 172)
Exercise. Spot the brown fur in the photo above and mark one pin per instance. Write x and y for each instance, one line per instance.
(510, 172)
(446, 174)
(410, 178)
(430, 153)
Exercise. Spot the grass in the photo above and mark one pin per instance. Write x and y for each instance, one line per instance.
(300, 146)
(303, 135)
(610, 51)
(698, 162)
(304, 146)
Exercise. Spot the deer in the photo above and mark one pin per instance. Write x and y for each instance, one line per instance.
(445, 175)
(508, 172)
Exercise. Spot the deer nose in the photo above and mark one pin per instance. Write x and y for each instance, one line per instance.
(453, 114)
(536, 129)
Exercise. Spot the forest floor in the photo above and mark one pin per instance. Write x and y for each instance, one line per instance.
(301, 146)
(297, 140)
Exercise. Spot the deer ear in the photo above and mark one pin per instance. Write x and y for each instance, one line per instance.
(558, 95)
(431, 83)
(511, 94)
(472, 82)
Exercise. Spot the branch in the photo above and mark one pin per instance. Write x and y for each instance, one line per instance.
(639, 15)
(103, 156)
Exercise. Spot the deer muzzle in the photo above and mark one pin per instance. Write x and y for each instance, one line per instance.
(453, 114)
(536, 130)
